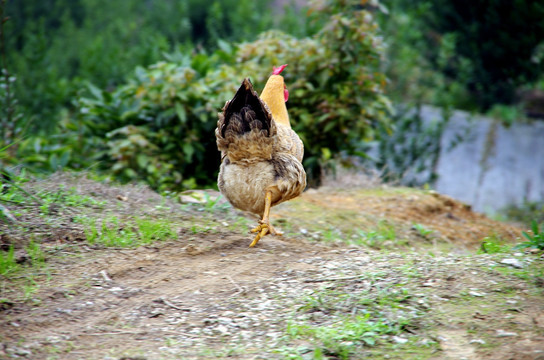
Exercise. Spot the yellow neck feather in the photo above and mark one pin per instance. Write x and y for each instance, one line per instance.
(273, 97)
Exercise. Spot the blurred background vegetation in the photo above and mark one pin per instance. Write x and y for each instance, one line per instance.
(132, 88)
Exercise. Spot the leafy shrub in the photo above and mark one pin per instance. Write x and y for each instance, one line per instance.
(159, 126)
(526, 212)
(415, 76)
(55, 46)
(499, 40)
(535, 240)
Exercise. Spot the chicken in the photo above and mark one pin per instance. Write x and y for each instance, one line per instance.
(261, 156)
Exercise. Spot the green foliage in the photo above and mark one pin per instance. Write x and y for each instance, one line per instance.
(498, 64)
(527, 212)
(535, 240)
(413, 77)
(11, 120)
(342, 339)
(422, 230)
(493, 244)
(159, 126)
(507, 114)
(441, 52)
(56, 46)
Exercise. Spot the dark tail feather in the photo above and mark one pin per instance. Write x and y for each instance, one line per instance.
(246, 112)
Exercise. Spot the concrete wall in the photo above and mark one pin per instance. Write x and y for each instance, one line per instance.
(493, 166)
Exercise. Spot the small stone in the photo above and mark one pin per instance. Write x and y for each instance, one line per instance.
(476, 294)
(22, 352)
(502, 333)
(399, 340)
(512, 262)
(477, 341)
(222, 329)
(425, 342)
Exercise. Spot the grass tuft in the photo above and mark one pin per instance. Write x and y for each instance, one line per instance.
(111, 232)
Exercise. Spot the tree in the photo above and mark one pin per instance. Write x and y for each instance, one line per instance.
(499, 37)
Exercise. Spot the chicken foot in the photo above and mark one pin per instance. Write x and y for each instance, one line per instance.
(264, 228)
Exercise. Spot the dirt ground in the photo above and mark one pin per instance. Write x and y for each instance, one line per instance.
(203, 294)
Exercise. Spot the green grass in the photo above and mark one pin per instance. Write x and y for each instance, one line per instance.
(154, 230)
(24, 275)
(8, 265)
(112, 232)
(62, 198)
(494, 244)
(342, 338)
(341, 323)
(422, 230)
(382, 236)
(8, 261)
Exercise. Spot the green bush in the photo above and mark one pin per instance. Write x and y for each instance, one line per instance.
(55, 46)
(11, 119)
(498, 39)
(463, 54)
(159, 126)
(413, 75)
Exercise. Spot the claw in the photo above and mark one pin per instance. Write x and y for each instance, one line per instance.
(262, 230)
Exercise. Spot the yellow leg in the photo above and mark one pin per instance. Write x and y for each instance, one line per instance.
(264, 228)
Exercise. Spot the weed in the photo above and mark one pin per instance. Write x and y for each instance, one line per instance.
(536, 240)
(422, 230)
(152, 230)
(343, 322)
(493, 244)
(8, 265)
(385, 232)
(197, 229)
(508, 115)
(331, 235)
(239, 222)
(343, 338)
(128, 234)
(47, 201)
(30, 288)
(12, 190)
(526, 212)
(36, 254)
(110, 233)
(212, 204)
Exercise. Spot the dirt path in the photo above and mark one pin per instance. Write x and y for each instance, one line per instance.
(207, 295)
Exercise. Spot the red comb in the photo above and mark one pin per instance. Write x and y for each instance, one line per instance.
(278, 70)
